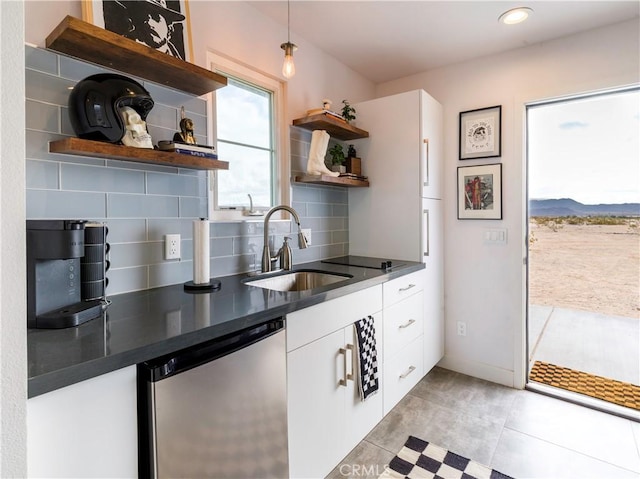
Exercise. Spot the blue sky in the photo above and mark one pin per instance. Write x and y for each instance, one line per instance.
(587, 149)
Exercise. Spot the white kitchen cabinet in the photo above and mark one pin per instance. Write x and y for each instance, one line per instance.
(88, 429)
(402, 372)
(325, 415)
(400, 216)
(433, 284)
(403, 331)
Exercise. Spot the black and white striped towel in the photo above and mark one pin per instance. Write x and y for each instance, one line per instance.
(366, 357)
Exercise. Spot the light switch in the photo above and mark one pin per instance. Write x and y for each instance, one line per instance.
(495, 236)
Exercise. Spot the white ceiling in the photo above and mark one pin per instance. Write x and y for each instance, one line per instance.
(385, 40)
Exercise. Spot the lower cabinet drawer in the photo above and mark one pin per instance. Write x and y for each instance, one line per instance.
(401, 373)
(402, 323)
(403, 287)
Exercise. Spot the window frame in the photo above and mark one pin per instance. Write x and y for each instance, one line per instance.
(226, 66)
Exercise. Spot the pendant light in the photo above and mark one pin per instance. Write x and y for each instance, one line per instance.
(288, 68)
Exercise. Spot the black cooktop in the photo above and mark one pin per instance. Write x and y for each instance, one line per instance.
(363, 262)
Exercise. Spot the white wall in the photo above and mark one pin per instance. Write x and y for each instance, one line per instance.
(242, 33)
(484, 284)
(13, 334)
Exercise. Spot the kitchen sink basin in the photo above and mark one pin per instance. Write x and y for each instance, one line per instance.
(298, 280)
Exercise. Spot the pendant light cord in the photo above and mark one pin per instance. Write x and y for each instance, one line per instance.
(288, 21)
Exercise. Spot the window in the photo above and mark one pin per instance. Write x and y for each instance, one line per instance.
(248, 113)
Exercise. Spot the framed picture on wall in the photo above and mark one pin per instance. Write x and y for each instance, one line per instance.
(480, 192)
(160, 24)
(480, 133)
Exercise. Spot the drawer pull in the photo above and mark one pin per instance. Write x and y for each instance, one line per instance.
(407, 288)
(343, 381)
(407, 324)
(409, 371)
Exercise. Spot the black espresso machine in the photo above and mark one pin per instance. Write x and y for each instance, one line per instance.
(57, 294)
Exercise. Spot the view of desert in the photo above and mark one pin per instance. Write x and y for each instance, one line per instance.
(590, 267)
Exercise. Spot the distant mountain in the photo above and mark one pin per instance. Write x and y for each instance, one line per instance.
(569, 207)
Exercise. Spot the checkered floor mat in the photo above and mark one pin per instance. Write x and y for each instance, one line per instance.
(610, 390)
(420, 459)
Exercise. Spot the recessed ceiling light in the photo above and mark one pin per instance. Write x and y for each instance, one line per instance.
(515, 15)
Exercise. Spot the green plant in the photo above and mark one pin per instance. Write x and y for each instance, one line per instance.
(348, 112)
(337, 154)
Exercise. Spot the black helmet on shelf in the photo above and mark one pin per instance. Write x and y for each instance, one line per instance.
(94, 105)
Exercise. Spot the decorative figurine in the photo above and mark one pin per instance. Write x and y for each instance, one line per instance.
(136, 133)
(185, 135)
(317, 152)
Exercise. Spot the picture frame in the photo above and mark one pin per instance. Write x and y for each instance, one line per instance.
(480, 133)
(163, 25)
(480, 192)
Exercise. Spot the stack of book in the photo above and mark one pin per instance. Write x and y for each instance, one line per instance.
(353, 176)
(202, 151)
(333, 114)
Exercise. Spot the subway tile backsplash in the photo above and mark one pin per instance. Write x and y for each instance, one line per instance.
(141, 203)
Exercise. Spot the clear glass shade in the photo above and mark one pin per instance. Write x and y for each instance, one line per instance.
(288, 67)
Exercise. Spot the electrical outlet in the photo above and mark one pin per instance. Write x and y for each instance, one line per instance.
(171, 246)
(462, 328)
(307, 235)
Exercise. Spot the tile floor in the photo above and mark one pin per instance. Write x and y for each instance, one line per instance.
(520, 433)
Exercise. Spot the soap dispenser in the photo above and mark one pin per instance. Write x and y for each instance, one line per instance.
(285, 254)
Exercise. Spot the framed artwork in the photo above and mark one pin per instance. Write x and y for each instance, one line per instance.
(480, 192)
(480, 133)
(160, 24)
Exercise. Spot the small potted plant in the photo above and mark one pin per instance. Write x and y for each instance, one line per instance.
(348, 112)
(337, 158)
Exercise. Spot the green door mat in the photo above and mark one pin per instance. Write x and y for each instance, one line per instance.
(617, 392)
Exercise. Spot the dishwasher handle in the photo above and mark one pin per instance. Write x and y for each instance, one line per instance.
(180, 361)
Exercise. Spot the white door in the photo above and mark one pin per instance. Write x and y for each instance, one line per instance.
(431, 150)
(433, 253)
(383, 219)
(316, 406)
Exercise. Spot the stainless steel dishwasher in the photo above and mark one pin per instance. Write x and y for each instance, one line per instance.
(216, 410)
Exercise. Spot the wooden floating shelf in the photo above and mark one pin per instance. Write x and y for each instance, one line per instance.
(331, 180)
(336, 128)
(99, 149)
(93, 44)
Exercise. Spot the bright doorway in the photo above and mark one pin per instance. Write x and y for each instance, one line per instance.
(584, 248)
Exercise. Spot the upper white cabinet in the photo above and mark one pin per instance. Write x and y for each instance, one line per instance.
(402, 159)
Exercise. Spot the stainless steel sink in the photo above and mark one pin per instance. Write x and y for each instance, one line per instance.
(298, 280)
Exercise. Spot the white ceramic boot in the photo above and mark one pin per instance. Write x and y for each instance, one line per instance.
(319, 143)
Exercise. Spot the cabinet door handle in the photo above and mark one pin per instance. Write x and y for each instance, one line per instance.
(343, 381)
(407, 288)
(425, 180)
(352, 376)
(427, 233)
(407, 324)
(409, 371)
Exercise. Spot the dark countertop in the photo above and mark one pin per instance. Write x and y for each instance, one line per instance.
(143, 325)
